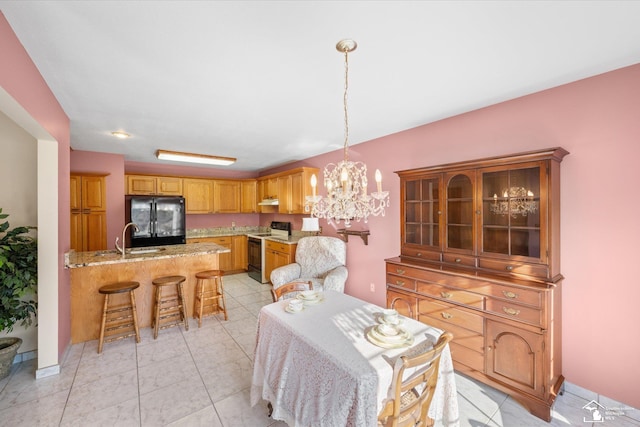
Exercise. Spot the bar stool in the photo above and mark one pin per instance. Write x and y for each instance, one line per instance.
(119, 321)
(209, 295)
(169, 309)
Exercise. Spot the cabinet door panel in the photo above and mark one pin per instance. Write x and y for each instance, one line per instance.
(94, 196)
(460, 212)
(402, 303)
(198, 196)
(515, 357)
(94, 228)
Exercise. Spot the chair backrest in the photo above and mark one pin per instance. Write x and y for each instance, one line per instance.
(319, 254)
(409, 398)
(277, 293)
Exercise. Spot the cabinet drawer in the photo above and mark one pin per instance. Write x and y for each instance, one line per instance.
(537, 270)
(421, 253)
(520, 295)
(453, 315)
(515, 311)
(410, 272)
(277, 246)
(221, 240)
(401, 282)
(461, 336)
(457, 295)
(467, 357)
(469, 261)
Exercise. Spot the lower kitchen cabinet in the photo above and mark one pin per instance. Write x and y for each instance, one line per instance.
(506, 330)
(278, 254)
(230, 262)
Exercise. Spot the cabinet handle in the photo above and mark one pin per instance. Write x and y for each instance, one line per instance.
(439, 212)
(447, 315)
(419, 254)
(510, 294)
(509, 267)
(458, 260)
(400, 282)
(511, 311)
(477, 212)
(446, 294)
(400, 271)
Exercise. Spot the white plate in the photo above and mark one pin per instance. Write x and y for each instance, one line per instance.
(288, 310)
(317, 300)
(401, 336)
(385, 344)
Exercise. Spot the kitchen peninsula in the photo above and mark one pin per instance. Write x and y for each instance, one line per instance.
(91, 270)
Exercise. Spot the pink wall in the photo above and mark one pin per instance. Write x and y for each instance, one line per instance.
(597, 121)
(113, 165)
(20, 78)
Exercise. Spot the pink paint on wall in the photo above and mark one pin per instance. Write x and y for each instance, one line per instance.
(596, 120)
(181, 170)
(22, 80)
(111, 165)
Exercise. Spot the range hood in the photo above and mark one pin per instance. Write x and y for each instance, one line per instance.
(268, 202)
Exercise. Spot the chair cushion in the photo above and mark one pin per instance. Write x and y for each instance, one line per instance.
(319, 255)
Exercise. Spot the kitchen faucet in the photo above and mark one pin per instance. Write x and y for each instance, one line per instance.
(122, 249)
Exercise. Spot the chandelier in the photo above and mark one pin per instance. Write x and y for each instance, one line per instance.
(517, 201)
(346, 181)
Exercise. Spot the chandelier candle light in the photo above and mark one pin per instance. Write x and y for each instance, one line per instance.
(517, 201)
(346, 182)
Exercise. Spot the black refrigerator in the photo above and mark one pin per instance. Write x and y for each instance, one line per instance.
(160, 221)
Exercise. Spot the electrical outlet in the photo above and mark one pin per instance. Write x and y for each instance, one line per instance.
(373, 287)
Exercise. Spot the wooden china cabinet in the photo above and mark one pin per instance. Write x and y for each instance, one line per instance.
(480, 257)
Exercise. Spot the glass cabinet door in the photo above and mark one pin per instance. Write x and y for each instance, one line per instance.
(511, 212)
(460, 189)
(422, 212)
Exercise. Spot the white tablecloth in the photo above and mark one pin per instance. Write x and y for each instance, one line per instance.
(317, 368)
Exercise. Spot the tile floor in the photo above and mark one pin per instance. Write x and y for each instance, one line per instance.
(201, 377)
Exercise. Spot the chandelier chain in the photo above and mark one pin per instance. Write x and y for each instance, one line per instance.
(345, 98)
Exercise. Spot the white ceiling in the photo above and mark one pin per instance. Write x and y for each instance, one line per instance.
(262, 80)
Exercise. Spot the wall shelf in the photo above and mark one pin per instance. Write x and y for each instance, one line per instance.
(364, 234)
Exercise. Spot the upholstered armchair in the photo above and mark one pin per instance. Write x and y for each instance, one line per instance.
(320, 260)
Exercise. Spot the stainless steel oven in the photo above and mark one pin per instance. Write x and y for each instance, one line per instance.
(257, 248)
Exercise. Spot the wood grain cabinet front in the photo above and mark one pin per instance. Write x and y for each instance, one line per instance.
(88, 216)
(480, 257)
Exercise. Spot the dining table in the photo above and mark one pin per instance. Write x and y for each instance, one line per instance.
(320, 366)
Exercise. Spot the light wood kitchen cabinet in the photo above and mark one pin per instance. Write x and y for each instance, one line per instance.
(153, 185)
(226, 196)
(291, 188)
(198, 195)
(230, 262)
(278, 254)
(88, 219)
(249, 196)
(480, 257)
(239, 251)
(285, 204)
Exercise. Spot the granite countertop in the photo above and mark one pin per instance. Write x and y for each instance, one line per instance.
(290, 241)
(75, 259)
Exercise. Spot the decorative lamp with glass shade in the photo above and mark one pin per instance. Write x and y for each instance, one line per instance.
(346, 182)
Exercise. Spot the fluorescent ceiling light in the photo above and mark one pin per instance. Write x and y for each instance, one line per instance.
(194, 158)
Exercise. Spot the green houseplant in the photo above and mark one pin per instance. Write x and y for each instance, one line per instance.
(18, 286)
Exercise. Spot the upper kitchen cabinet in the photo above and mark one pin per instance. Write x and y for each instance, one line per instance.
(290, 188)
(226, 196)
(88, 217)
(496, 214)
(198, 195)
(249, 196)
(154, 185)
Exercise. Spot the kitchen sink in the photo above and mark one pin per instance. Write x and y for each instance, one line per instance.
(145, 251)
(109, 252)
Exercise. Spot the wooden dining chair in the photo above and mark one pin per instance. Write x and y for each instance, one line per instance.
(409, 399)
(290, 287)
